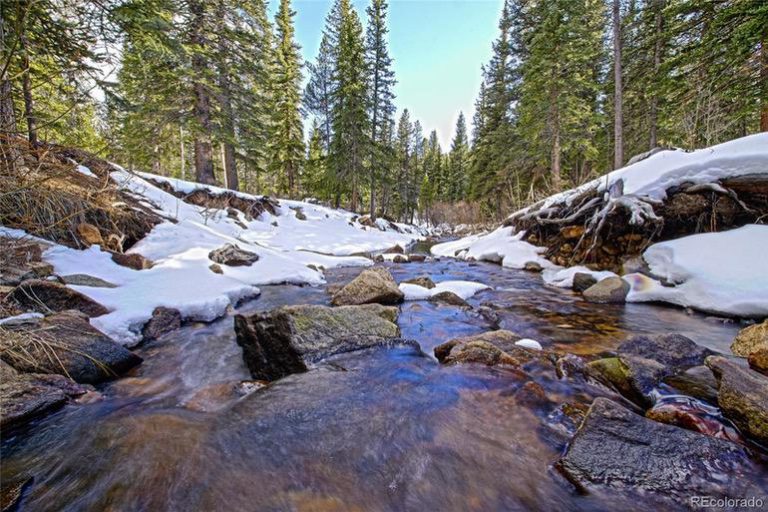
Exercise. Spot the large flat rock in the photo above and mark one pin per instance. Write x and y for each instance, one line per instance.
(619, 449)
(288, 339)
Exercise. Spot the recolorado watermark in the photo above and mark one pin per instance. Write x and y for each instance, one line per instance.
(754, 502)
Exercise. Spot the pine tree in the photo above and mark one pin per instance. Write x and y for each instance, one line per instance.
(349, 146)
(287, 145)
(314, 167)
(458, 158)
(381, 80)
(318, 94)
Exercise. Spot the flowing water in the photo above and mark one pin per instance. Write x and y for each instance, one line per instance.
(371, 430)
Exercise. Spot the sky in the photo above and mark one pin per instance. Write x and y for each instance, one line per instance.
(437, 46)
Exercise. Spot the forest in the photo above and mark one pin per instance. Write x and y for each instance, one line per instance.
(216, 91)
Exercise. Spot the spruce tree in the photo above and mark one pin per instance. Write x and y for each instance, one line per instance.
(319, 92)
(458, 158)
(287, 145)
(381, 80)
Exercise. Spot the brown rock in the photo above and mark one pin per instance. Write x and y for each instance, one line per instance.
(163, 321)
(448, 298)
(750, 339)
(610, 290)
(133, 260)
(375, 285)
(691, 418)
(532, 395)
(758, 360)
(532, 266)
(233, 256)
(395, 250)
(400, 258)
(216, 268)
(423, 281)
(417, 258)
(46, 296)
(572, 232)
(89, 234)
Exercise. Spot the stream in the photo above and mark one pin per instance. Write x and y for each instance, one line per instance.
(382, 429)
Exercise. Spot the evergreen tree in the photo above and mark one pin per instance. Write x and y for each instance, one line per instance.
(349, 145)
(458, 162)
(314, 167)
(381, 80)
(287, 144)
(319, 92)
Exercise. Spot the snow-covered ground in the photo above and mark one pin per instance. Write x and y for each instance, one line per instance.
(724, 273)
(179, 248)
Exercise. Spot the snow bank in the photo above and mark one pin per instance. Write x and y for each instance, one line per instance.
(722, 273)
(179, 248)
(563, 277)
(464, 289)
(650, 178)
(500, 246)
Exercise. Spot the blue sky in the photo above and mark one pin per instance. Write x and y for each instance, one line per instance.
(437, 45)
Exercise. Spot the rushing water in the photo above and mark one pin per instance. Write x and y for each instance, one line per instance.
(370, 430)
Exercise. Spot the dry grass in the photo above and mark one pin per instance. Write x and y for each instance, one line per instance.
(43, 193)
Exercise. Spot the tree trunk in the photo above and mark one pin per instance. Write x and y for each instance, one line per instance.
(8, 152)
(653, 139)
(555, 131)
(764, 82)
(618, 91)
(225, 98)
(26, 86)
(202, 109)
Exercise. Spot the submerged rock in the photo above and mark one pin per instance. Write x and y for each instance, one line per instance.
(66, 344)
(692, 416)
(742, 396)
(423, 281)
(751, 339)
(609, 290)
(490, 348)
(288, 339)
(673, 351)
(46, 296)
(233, 256)
(617, 448)
(375, 285)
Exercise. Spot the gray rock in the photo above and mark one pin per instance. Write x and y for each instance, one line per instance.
(423, 281)
(583, 281)
(46, 296)
(81, 352)
(490, 348)
(742, 396)
(375, 285)
(417, 258)
(674, 351)
(610, 290)
(233, 256)
(86, 280)
(449, 298)
(288, 339)
(163, 321)
(617, 449)
(25, 396)
(532, 266)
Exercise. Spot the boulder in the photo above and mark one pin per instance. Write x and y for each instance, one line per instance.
(609, 290)
(417, 258)
(582, 281)
(674, 351)
(448, 298)
(400, 258)
(66, 344)
(490, 348)
(288, 339)
(758, 360)
(89, 234)
(86, 280)
(163, 321)
(532, 266)
(618, 449)
(742, 396)
(634, 377)
(25, 396)
(478, 351)
(46, 296)
(233, 256)
(133, 260)
(375, 285)
(423, 281)
(750, 339)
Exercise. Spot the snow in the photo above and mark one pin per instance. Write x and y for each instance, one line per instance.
(563, 277)
(502, 246)
(15, 320)
(84, 170)
(464, 289)
(650, 178)
(179, 248)
(722, 273)
(529, 343)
